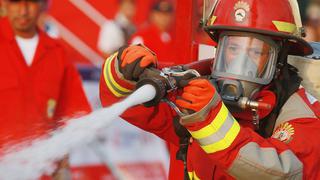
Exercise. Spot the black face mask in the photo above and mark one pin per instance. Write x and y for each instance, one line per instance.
(230, 90)
(233, 92)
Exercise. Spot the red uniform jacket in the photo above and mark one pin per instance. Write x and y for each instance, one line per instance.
(160, 42)
(34, 97)
(233, 150)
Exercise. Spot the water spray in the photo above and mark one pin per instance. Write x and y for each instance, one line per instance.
(39, 158)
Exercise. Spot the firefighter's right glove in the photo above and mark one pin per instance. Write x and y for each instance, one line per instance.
(200, 97)
(134, 59)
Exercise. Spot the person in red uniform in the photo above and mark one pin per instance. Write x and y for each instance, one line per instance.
(156, 35)
(38, 85)
(251, 119)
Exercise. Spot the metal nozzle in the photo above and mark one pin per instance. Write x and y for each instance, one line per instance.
(245, 103)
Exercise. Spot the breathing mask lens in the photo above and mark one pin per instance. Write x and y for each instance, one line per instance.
(246, 57)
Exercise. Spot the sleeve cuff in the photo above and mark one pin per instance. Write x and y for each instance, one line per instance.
(219, 133)
(114, 80)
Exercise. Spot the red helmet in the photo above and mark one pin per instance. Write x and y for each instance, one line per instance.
(274, 18)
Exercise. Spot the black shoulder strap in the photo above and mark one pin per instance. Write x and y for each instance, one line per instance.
(184, 138)
(287, 84)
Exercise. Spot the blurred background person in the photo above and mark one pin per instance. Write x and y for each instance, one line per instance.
(38, 85)
(116, 33)
(157, 33)
(1, 10)
(303, 5)
(312, 22)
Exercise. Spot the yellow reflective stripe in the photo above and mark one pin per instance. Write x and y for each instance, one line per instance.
(285, 26)
(212, 20)
(193, 176)
(113, 86)
(225, 142)
(123, 89)
(108, 61)
(214, 126)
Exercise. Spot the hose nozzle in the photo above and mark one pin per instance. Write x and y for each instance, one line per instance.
(165, 81)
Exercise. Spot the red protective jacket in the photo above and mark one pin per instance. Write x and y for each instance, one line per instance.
(34, 98)
(232, 151)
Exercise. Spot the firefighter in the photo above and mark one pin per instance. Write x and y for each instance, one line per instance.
(119, 30)
(157, 34)
(251, 118)
(38, 85)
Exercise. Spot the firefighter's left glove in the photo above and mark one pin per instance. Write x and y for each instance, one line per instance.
(212, 125)
(198, 97)
(134, 59)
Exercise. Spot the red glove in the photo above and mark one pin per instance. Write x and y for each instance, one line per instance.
(212, 125)
(134, 59)
(196, 95)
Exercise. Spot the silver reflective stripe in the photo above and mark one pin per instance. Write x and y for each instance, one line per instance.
(294, 108)
(254, 162)
(220, 134)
